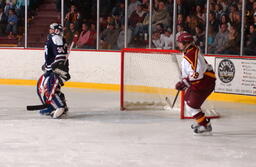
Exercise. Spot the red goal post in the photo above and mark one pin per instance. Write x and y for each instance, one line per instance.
(148, 78)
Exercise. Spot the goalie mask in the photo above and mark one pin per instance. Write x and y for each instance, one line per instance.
(57, 28)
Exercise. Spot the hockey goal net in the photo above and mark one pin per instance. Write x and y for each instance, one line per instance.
(148, 78)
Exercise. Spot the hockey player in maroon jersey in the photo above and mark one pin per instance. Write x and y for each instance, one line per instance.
(198, 81)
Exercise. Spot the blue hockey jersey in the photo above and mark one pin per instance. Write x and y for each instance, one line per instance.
(55, 50)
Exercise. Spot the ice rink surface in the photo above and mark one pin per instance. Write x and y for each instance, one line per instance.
(97, 134)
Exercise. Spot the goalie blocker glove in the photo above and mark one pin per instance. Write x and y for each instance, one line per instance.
(62, 69)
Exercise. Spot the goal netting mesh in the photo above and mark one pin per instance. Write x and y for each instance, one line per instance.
(148, 78)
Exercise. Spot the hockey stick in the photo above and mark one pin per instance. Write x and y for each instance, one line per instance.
(174, 101)
(75, 39)
(174, 59)
(37, 107)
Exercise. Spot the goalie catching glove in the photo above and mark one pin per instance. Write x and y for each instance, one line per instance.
(183, 84)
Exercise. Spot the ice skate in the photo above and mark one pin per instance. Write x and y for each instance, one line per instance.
(201, 130)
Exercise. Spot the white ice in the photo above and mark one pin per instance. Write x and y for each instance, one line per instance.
(97, 134)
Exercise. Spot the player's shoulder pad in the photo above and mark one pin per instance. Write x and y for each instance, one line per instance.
(191, 55)
(57, 39)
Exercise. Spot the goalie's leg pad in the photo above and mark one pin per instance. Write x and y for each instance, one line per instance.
(47, 111)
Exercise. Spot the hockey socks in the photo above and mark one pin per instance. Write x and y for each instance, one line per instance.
(203, 126)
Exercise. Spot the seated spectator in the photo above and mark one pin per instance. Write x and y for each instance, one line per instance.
(213, 22)
(157, 43)
(9, 4)
(160, 15)
(200, 13)
(181, 7)
(254, 19)
(200, 37)
(180, 19)
(132, 7)
(109, 37)
(191, 23)
(167, 39)
(211, 35)
(225, 20)
(70, 32)
(91, 44)
(118, 13)
(73, 16)
(119, 9)
(232, 45)
(136, 20)
(236, 20)
(12, 21)
(83, 37)
(2, 4)
(120, 39)
(160, 28)
(250, 43)
(20, 8)
(232, 9)
(219, 41)
(3, 22)
(180, 30)
(219, 11)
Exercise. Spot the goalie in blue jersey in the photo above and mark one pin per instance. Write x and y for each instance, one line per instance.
(56, 72)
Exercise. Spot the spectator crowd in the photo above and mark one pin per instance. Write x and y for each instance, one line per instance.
(224, 30)
(12, 14)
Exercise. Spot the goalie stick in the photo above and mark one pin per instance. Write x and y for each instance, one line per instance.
(37, 107)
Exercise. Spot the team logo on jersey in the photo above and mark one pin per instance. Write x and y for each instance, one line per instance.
(226, 71)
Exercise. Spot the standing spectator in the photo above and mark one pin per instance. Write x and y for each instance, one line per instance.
(219, 41)
(70, 32)
(83, 37)
(12, 20)
(73, 16)
(3, 21)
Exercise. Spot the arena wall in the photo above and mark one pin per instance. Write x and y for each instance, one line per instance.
(89, 69)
